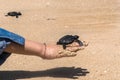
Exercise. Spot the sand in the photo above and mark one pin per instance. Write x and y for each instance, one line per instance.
(95, 21)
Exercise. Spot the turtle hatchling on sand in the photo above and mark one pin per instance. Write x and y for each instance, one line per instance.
(14, 13)
(68, 39)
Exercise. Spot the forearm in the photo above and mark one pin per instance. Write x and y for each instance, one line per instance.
(29, 48)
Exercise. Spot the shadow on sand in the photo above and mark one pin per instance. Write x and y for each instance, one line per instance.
(60, 72)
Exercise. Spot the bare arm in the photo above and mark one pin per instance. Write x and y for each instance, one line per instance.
(44, 51)
(30, 48)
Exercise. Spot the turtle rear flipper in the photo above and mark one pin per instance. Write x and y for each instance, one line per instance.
(6, 15)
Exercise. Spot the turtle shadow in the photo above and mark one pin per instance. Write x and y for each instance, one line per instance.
(60, 72)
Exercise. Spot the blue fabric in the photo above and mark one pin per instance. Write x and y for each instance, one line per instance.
(3, 45)
(4, 34)
(6, 37)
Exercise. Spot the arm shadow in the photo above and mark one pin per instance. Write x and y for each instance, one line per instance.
(60, 72)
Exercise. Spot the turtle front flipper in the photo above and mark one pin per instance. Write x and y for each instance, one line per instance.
(17, 16)
(82, 43)
(64, 46)
(79, 42)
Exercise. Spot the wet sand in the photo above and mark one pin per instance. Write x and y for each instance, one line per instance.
(96, 21)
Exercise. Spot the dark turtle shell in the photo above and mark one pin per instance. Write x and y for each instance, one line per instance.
(14, 13)
(67, 39)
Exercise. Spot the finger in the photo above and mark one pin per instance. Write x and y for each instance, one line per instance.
(71, 54)
(85, 43)
(74, 49)
(74, 44)
(66, 53)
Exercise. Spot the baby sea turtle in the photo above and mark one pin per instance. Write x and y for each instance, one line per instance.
(14, 13)
(68, 39)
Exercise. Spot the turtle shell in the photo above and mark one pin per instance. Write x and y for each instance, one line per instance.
(67, 39)
(14, 13)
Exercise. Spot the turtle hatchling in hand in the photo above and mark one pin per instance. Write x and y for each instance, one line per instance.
(68, 39)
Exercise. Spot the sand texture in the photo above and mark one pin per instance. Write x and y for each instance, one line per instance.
(95, 21)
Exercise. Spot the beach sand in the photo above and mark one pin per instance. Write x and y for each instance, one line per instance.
(95, 21)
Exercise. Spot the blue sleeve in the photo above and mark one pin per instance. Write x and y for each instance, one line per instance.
(10, 36)
(3, 55)
(3, 45)
(6, 37)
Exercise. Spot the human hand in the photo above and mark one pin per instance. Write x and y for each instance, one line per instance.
(56, 51)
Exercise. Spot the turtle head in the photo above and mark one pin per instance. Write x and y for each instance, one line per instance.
(76, 36)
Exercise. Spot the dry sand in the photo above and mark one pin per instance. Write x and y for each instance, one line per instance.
(96, 21)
